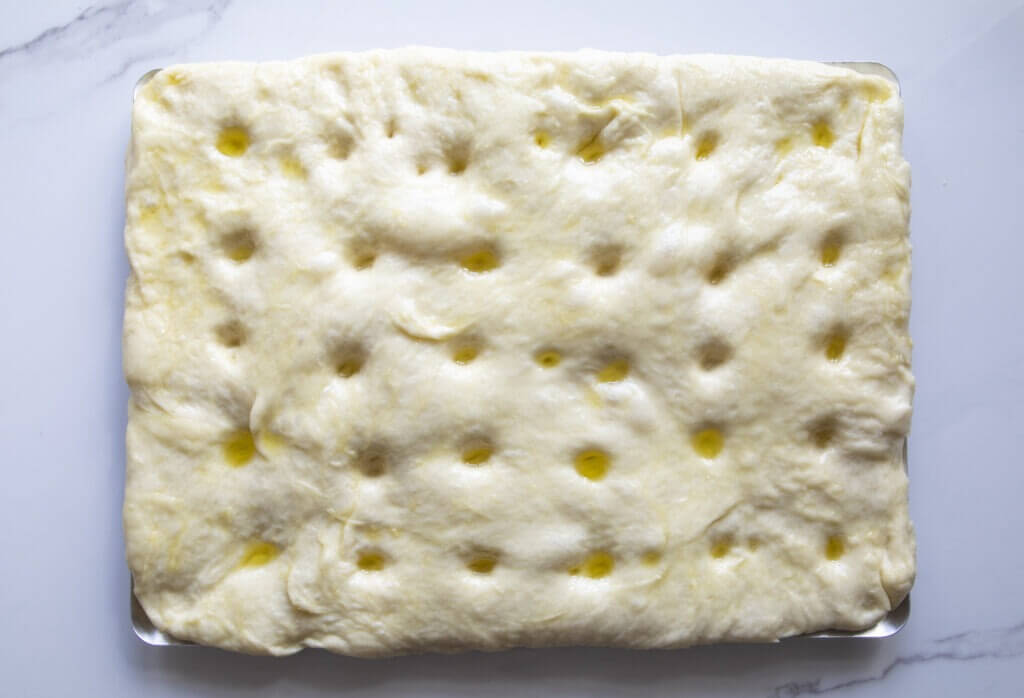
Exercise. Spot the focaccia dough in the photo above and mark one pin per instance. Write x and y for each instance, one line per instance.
(434, 350)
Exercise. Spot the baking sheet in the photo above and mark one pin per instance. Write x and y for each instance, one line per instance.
(888, 626)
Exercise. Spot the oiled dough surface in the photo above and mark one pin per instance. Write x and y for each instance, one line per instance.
(439, 350)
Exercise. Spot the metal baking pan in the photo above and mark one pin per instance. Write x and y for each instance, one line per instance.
(888, 626)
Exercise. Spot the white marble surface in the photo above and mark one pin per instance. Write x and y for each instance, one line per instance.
(66, 73)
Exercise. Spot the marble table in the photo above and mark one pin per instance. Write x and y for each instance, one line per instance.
(66, 74)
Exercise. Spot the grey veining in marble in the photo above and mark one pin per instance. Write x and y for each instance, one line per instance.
(104, 42)
(966, 646)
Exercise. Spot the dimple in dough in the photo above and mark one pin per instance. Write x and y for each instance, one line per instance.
(441, 350)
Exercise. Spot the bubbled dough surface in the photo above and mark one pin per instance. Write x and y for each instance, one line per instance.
(367, 178)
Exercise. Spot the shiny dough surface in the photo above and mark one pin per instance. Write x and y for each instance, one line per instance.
(436, 350)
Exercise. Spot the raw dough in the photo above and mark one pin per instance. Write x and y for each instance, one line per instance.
(434, 350)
